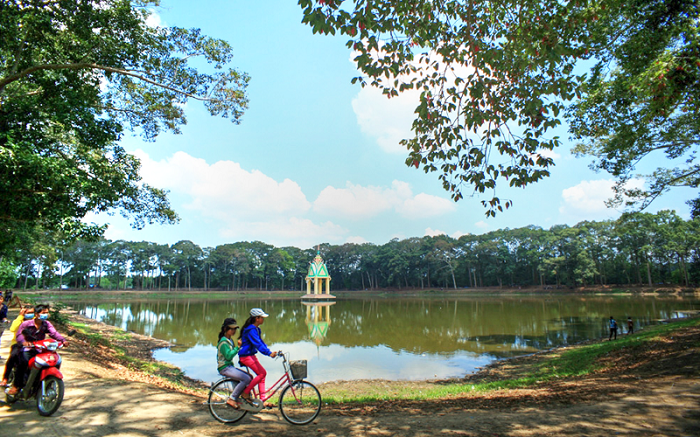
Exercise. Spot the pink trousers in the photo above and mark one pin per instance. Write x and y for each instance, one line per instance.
(253, 364)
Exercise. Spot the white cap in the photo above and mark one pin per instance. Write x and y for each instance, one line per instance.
(255, 312)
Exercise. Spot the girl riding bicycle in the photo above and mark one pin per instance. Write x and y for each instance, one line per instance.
(251, 343)
(225, 351)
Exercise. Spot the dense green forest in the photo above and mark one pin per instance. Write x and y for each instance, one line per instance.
(639, 248)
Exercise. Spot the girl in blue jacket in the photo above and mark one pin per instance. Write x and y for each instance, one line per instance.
(251, 343)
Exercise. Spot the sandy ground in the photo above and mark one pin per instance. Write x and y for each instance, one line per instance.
(650, 399)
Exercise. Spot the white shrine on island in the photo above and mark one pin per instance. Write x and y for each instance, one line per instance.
(321, 280)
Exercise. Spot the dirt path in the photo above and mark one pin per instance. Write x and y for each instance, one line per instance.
(662, 403)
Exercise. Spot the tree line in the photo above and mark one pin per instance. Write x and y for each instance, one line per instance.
(638, 248)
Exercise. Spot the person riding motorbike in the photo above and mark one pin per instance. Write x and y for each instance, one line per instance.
(26, 313)
(28, 332)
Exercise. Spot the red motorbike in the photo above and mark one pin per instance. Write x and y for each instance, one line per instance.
(45, 381)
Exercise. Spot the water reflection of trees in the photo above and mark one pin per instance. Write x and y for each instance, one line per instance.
(500, 327)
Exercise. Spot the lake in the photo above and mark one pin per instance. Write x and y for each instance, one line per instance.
(388, 338)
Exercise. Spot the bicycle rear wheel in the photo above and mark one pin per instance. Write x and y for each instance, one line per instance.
(218, 395)
(300, 402)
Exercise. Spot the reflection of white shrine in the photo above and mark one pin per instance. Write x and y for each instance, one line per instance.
(318, 275)
(318, 319)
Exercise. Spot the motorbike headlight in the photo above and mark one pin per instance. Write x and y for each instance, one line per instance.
(52, 346)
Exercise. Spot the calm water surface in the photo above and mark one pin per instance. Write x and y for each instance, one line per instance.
(408, 338)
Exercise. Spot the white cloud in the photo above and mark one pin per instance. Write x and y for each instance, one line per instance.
(354, 201)
(387, 120)
(429, 232)
(153, 19)
(587, 199)
(481, 225)
(359, 202)
(224, 202)
(548, 154)
(356, 240)
(424, 205)
(458, 234)
(237, 204)
(224, 190)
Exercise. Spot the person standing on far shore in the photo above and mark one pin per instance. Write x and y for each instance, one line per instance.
(613, 329)
(630, 326)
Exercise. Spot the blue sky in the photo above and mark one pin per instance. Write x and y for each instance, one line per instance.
(315, 158)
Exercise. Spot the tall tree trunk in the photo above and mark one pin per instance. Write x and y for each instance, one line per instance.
(639, 271)
(26, 277)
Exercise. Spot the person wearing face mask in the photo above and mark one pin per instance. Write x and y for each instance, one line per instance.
(28, 332)
(26, 313)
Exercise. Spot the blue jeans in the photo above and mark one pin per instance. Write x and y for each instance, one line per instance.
(237, 375)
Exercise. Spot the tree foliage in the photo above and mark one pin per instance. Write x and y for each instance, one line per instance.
(74, 76)
(495, 78)
(641, 99)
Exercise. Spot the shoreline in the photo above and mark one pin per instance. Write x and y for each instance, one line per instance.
(129, 353)
(110, 295)
(138, 359)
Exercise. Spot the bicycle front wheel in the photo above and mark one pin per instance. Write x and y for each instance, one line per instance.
(300, 402)
(218, 408)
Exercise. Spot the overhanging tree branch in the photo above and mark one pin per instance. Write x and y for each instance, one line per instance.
(90, 66)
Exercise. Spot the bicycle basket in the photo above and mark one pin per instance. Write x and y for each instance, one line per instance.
(298, 369)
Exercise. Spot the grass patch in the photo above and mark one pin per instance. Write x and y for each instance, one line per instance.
(583, 360)
(89, 335)
(166, 371)
(122, 336)
(395, 392)
(577, 361)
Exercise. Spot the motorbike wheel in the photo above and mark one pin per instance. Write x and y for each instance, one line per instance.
(9, 398)
(49, 399)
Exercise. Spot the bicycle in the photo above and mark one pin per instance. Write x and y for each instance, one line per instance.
(299, 401)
